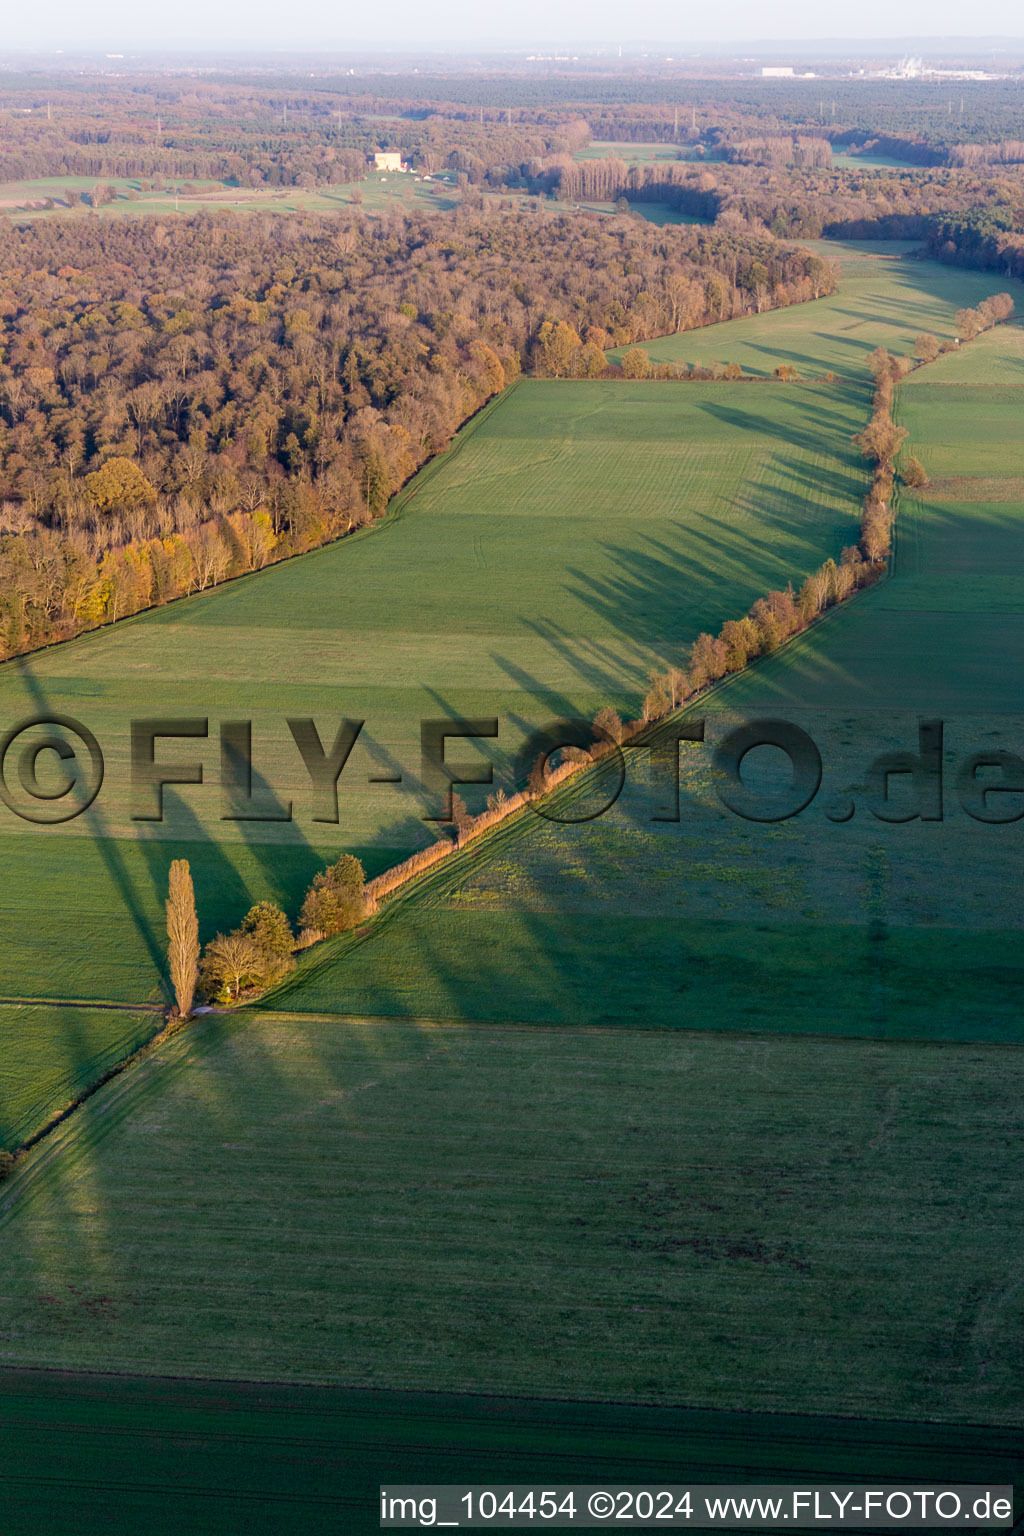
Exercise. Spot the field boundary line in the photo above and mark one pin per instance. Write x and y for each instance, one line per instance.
(440, 1021)
(630, 1404)
(81, 1002)
(166, 1032)
(423, 476)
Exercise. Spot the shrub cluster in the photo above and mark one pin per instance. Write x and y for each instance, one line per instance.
(335, 901)
(259, 952)
(254, 956)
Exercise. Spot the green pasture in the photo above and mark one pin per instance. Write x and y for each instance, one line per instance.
(842, 160)
(400, 190)
(946, 631)
(377, 193)
(577, 535)
(884, 299)
(973, 429)
(706, 1111)
(49, 1054)
(55, 186)
(660, 213)
(993, 359)
(635, 154)
(714, 921)
(655, 213)
(634, 1217)
(204, 1456)
(111, 943)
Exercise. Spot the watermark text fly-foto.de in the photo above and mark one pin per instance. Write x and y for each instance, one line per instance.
(53, 767)
(751, 1507)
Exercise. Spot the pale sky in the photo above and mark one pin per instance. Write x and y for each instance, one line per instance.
(408, 24)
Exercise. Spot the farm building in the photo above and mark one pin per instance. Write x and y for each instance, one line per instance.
(388, 160)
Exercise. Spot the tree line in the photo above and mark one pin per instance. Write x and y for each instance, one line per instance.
(786, 150)
(991, 238)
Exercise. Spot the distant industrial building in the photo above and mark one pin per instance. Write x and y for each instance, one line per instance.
(388, 160)
(777, 71)
(908, 69)
(917, 69)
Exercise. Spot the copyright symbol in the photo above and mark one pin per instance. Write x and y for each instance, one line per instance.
(56, 779)
(601, 1505)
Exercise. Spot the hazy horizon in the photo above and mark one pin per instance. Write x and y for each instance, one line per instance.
(234, 25)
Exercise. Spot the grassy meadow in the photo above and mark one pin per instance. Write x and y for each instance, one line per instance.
(674, 506)
(953, 610)
(636, 154)
(842, 160)
(50, 1053)
(886, 298)
(664, 1209)
(576, 536)
(377, 193)
(654, 213)
(713, 922)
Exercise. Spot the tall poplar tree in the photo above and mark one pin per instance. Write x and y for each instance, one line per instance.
(182, 936)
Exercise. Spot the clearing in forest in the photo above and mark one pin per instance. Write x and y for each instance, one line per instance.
(886, 297)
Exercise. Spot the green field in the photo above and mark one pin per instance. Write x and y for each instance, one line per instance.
(288, 1199)
(207, 1457)
(660, 213)
(847, 162)
(711, 922)
(856, 927)
(376, 193)
(953, 611)
(884, 299)
(996, 357)
(655, 213)
(676, 506)
(577, 535)
(635, 154)
(50, 1054)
